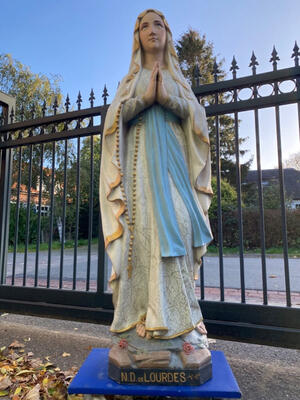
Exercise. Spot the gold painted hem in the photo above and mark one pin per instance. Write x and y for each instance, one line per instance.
(205, 190)
(128, 327)
(161, 328)
(202, 137)
(178, 334)
(156, 329)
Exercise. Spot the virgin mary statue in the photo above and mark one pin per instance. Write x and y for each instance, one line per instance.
(155, 190)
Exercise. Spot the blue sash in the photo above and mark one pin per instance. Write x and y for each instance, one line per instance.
(164, 156)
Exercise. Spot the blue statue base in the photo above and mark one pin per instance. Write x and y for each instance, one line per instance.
(92, 378)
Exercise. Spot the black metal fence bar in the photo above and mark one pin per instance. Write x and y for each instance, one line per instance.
(202, 285)
(261, 210)
(4, 169)
(51, 215)
(27, 230)
(274, 60)
(63, 222)
(283, 211)
(219, 194)
(76, 214)
(38, 239)
(253, 64)
(91, 204)
(239, 206)
(234, 68)
(16, 234)
(295, 55)
(102, 280)
(6, 219)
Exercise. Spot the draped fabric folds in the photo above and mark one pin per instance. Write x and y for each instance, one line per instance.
(164, 157)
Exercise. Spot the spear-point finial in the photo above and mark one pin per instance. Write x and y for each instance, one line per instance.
(253, 63)
(234, 67)
(296, 54)
(55, 105)
(92, 98)
(274, 58)
(105, 95)
(197, 74)
(67, 103)
(32, 110)
(44, 108)
(79, 100)
(12, 115)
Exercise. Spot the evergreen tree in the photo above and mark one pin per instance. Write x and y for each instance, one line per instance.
(194, 50)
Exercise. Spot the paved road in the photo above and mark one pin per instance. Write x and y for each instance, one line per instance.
(253, 275)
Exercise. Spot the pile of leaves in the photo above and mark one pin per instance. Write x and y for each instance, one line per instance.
(24, 377)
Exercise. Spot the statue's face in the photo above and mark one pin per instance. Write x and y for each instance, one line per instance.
(152, 33)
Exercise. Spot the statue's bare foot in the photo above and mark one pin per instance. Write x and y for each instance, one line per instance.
(148, 335)
(140, 329)
(201, 328)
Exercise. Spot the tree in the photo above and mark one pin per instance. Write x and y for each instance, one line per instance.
(229, 214)
(27, 87)
(293, 161)
(194, 49)
(32, 90)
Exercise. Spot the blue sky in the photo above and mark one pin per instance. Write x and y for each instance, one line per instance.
(88, 43)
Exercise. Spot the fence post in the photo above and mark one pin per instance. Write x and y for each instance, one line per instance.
(8, 103)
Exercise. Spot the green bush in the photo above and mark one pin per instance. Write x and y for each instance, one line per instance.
(22, 224)
(251, 222)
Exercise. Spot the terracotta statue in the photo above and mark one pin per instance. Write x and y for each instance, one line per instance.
(155, 193)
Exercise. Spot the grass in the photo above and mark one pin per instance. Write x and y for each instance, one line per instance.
(56, 245)
(212, 250)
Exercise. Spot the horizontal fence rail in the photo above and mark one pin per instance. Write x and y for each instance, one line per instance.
(49, 185)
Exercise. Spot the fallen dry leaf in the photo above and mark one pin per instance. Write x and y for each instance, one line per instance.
(35, 362)
(26, 378)
(64, 354)
(34, 393)
(16, 345)
(5, 383)
(18, 391)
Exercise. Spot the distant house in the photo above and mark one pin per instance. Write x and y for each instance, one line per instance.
(291, 182)
(34, 197)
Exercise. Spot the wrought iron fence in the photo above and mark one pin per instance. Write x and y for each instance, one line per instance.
(48, 186)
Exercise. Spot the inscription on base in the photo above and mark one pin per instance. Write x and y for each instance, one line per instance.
(158, 376)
